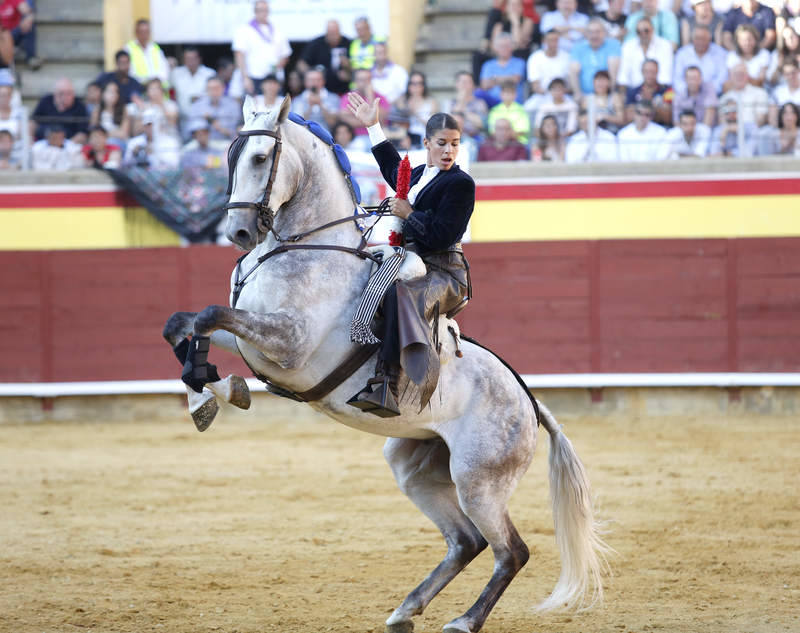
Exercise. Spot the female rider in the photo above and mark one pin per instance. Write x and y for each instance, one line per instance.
(436, 214)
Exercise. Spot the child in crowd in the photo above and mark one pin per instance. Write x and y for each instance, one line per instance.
(98, 152)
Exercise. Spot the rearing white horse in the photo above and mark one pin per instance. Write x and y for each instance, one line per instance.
(460, 459)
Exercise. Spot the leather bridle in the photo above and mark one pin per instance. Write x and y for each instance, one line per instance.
(266, 217)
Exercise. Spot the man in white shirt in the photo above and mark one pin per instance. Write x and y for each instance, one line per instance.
(558, 104)
(690, 139)
(143, 150)
(583, 149)
(315, 103)
(642, 140)
(706, 55)
(388, 78)
(645, 46)
(732, 137)
(56, 152)
(190, 79)
(224, 115)
(547, 63)
(753, 101)
(570, 24)
(260, 49)
(789, 91)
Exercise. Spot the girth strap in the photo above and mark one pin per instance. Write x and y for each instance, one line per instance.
(347, 368)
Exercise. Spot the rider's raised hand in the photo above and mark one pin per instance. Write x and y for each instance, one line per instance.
(365, 112)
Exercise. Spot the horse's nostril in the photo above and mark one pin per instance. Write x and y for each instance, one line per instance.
(242, 235)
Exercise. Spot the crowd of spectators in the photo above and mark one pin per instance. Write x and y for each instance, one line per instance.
(152, 110)
(640, 80)
(587, 80)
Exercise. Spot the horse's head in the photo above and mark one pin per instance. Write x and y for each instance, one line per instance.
(263, 174)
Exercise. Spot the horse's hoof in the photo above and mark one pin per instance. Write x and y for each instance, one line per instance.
(406, 626)
(457, 626)
(232, 389)
(203, 409)
(240, 393)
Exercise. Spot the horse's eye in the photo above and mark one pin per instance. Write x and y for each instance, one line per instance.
(260, 158)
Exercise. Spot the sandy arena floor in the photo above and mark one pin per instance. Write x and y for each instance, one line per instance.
(295, 525)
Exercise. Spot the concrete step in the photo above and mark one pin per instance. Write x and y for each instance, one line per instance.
(442, 95)
(41, 82)
(457, 6)
(70, 42)
(451, 34)
(59, 11)
(440, 68)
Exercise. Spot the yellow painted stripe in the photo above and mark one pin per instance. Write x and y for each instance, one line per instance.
(98, 227)
(636, 218)
(493, 221)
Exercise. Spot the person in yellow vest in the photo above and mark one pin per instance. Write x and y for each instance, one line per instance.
(362, 49)
(147, 58)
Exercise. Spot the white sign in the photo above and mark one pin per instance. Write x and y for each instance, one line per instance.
(214, 21)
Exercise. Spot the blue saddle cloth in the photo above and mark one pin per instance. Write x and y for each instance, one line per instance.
(338, 151)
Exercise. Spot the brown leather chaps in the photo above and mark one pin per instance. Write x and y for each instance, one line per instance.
(410, 306)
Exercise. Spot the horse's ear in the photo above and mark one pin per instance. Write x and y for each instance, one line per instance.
(286, 106)
(249, 109)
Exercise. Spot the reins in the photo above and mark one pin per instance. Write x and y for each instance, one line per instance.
(288, 244)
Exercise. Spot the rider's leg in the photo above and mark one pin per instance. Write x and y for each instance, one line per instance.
(379, 395)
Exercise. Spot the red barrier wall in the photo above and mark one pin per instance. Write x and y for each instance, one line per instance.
(547, 307)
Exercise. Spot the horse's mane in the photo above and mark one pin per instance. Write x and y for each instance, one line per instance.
(234, 151)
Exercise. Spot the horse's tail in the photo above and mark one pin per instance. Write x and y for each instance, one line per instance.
(583, 552)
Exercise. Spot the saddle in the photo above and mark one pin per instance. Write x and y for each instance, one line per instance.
(420, 329)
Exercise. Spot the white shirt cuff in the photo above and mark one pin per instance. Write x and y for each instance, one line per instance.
(376, 134)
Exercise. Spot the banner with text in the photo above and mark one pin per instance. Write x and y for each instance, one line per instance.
(214, 21)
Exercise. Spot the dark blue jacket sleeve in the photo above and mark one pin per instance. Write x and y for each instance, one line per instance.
(438, 228)
(388, 161)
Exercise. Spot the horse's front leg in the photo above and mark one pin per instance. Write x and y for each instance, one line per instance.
(178, 326)
(279, 337)
(181, 324)
(233, 389)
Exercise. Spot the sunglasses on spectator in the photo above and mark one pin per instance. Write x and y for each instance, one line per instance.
(644, 31)
(644, 112)
(416, 82)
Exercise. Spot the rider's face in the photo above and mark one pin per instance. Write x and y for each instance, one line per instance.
(443, 148)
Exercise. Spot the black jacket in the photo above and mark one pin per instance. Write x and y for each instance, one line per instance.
(443, 207)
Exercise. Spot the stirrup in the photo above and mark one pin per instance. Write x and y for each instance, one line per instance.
(376, 398)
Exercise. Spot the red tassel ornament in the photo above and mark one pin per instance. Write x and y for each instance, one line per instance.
(403, 179)
(403, 185)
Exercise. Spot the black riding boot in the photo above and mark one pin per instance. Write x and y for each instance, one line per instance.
(379, 396)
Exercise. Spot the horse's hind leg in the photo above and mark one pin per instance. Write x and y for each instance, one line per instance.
(511, 554)
(421, 468)
(486, 475)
